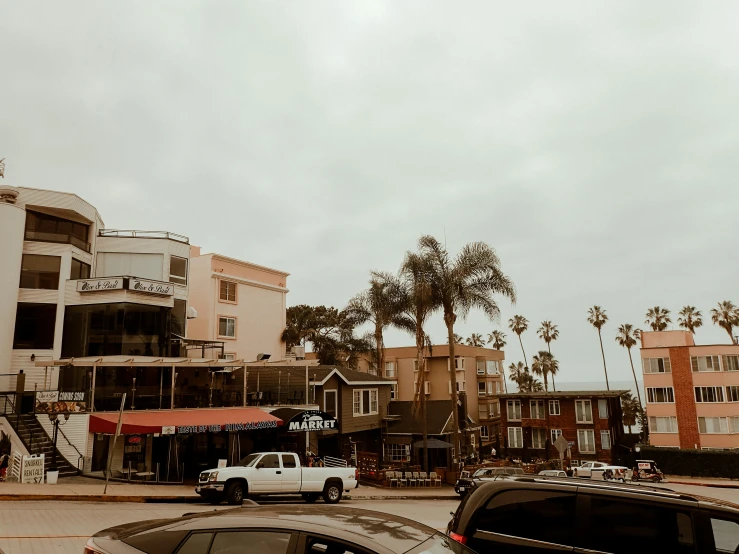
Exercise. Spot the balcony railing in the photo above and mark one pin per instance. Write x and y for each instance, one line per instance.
(58, 238)
(126, 233)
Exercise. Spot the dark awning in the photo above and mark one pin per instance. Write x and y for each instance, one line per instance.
(433, 443)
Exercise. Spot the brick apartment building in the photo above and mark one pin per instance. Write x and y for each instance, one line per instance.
(590, 420)
(692, 392)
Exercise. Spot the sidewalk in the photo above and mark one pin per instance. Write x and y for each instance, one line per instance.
(703, 482)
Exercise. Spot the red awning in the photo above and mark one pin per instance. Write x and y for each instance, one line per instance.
(185, 421)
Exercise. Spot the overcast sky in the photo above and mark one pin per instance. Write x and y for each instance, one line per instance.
(593, 144)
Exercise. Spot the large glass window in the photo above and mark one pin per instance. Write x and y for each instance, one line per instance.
(228, 291)
(50, 228)
(586, 441)
(514, 410)
(656, 365)
(250, 542)
(731, 363)
(583, 411)
(538, 438)
(713, 425)
(725, 535)
(660, 395)
(178, 270)
(709, 394)
(667, 424)
(705, 363)
(537, 409)
(515, 437)
(80, 270)
(34, 326)
(40, 272)
(227, 327)
(115, 264)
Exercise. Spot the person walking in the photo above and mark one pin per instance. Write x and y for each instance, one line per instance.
(4, 460)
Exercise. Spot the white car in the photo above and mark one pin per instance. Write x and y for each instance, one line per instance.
(553, 473)
(586, 469)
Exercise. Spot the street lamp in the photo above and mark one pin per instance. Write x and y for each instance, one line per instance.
(54, 418)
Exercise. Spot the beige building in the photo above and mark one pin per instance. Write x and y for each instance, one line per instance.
(239, 303)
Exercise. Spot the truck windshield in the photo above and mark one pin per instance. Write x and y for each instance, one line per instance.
(249, 461)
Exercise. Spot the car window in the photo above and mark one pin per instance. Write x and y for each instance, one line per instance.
(322, 545)
(626, 527)
(725, 535)
(288, 460)
(270, 461)
(512, 513)
(250, 542)
(197, 543)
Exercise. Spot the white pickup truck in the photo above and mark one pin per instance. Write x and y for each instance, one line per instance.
(275, 473)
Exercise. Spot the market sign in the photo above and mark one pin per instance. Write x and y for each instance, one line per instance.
(32, 469)
(151, 287)
(60, 402)
(311, 420)
(99, 285)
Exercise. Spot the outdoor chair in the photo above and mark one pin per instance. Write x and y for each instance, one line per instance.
(402, 478)
(409, 477)
(417, 478)
(394, 478)
(389, 476)
(424, 478)
(435, 479)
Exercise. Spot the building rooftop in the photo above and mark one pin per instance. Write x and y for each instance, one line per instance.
(438, 413)
(565, 394)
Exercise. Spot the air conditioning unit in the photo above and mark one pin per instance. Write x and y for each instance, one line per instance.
(298, 352)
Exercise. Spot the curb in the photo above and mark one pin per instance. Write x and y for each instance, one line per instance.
(713, 485)
(175, 499)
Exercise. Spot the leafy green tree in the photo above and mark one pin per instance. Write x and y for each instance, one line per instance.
(658, 318)
(690, 319)
(726, 316)
(597, 318)
(627, 337)
(299, 326)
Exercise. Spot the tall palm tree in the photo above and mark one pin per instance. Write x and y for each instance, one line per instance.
(630, 410)
(518, 324)
(458, 339)
(497, 338)
(544, 365)
(548, 332)
(518, 370)
(690, 318)
(627, 337)
(658, 318)
(475, 339)
(726, 316)
(597, 318)
(468, 281)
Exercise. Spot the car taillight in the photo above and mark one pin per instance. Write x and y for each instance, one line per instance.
(461, 539)
(90, 548)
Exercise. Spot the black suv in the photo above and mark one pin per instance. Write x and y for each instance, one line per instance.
(535, 514)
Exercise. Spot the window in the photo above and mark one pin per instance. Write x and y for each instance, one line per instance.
(725, 535)
(554, 408)
(288, 461)
(586, 441)
(398, 452)
(497, 387)
(227, 291)
(556, 433)
(492, 367)
(602, 408)
(709, 394)
(538, 438)
(227, 327)
(197, 543)
(324, 545)
(713, 425)
(490, 387)
(364, 402)
(458, 363)
(537, 409)
(732, 394)
(481, 388)
(248, 542)
(331, 402)
(734, 424)
(178, 270)
(515, 437)
(482, 411)
(115, 264)
(40, 272)
(269, 461)
(656, 365)
(34, 326)
(472, 441)
(705, 363)
(415, 365)
(393, 391)
(494, 409)
(461, 386)
(389, 369)
(80, 270)
(731, 363)
(484, 432)
(49, 228)
(228, 356)
(583, 411)
(605, 440)
(480, 367)
(663, 424)
(660, 395)
(427, 387)
(511, 513)
(514, 410)
(624, 527)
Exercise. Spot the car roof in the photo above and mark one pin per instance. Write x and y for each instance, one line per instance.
(391, 532)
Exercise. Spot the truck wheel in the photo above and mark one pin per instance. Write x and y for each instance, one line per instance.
(311, 497)
(235, 493)
(656, 479)
(332, 493)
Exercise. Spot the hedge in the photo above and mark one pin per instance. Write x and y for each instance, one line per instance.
(695, 463)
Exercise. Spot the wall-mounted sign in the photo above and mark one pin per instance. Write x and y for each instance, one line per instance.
(99, 285)
(32, 469)
(312, 420)
(60, 402)
(168, 429)
(151, 287)
(245, 426)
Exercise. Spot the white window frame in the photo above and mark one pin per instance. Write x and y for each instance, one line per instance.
(179, 278)
(492, 367)
(482, 411)
(555, 408)
(555, 434)
(585, 433)
(221, 282)
(397, 452)
(513, 404)
(651, 364)
(589, 412)
(654, 424)
(481, 390)
(480, 367)
(227, 318)
(415, 364)
(701, 393)
(461, 387)
(394, 391)
(602, 407)
(490, 387)
(494, 409)
(607, 436)
(427, 387)
(517, 435)
(484, 433)
(538, 412)
(228, 356)
(705, 364)
(730, 362)
(666, 393)
(733, 424)
(336, 401)
(390, 370)
(541, 434)
(357, 402)
(459, 366)
(732, 393)
(373, 400)
(723, 423)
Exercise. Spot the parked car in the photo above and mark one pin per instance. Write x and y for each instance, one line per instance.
(280, 473)
(647, 470)
(467, 483)
(294, 529)
(615, 473)
(586, 468)
(543, 514)
(553, 473)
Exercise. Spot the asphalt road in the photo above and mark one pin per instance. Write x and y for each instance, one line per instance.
(64, 527)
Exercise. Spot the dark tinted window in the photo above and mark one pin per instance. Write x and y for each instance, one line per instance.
(80, 270)
(288, 460)
(246, 542)
(322, 545)
(725, 535)
(34, 326)
(270, 461)
(196, 543)
(625, 527)
(177, 270)
(514, 513)
(49, 228)
(40, 272)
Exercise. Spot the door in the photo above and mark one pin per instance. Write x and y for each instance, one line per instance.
(267, 475)
(290, 473)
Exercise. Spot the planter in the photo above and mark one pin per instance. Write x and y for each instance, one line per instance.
(52, 477)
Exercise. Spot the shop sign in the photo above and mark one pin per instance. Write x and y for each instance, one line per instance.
(151, 287)
(32, 469)
(312, 420)
(60, 402)
(132, 444)
(168, 429)
(99, 285)
(246, 426)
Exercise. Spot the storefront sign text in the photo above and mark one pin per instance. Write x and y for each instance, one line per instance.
(60, 402)
(312, 420)
(151, 287)
(248, 426)
(32, 469)
(98, 285)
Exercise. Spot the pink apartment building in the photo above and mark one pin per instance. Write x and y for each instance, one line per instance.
(692, 392)
(239, 303)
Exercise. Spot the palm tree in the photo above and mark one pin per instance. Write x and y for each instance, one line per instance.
(548, 332)
(458, 339)
(475, 339)
(468, 281)
(726, 316)
(690, 318)
(518, 324)
(627, 337)
(517, 370)
(658, 318)
(497, 338)
(630, 410)
(597, 318)
(528, 383)
(544, 365)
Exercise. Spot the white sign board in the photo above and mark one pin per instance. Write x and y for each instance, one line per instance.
(32, 469)
(222, 463)
(48, 396)
(99, 285)
(168, 429)
(151, 287)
